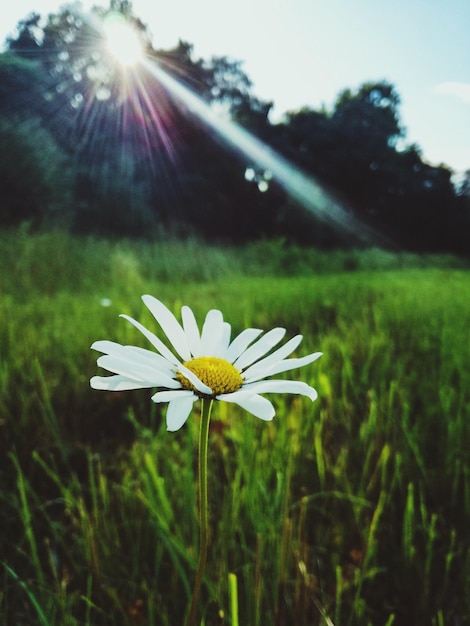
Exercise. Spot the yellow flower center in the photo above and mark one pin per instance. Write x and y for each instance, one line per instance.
(218, 374)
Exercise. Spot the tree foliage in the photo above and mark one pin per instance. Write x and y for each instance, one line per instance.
(35, 180)
(138, 159)
(359, 149)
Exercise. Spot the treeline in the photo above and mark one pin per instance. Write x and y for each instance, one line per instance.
(92, 147)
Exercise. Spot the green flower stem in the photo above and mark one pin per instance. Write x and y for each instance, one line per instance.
(233, 598)
(203, 505)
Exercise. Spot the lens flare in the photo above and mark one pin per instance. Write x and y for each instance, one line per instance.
(303, 188)
(142, 93)
(122, 39)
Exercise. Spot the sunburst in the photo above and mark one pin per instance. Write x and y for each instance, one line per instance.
(122, 40)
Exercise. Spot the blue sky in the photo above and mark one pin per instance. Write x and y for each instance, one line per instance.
(304, 52)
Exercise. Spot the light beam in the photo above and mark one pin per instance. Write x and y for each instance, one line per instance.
(305, 189)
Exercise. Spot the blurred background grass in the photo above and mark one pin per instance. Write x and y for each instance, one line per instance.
(352, 510)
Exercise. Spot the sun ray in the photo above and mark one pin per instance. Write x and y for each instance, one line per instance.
(303, 188)
(129, 94)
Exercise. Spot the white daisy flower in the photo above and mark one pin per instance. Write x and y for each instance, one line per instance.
(204, 364)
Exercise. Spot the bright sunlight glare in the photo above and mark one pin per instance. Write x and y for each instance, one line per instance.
(305, 189)
(122, 39)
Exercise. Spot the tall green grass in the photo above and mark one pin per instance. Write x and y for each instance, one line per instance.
(351, 511)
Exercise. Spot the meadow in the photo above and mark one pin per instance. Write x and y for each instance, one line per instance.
(350, 511)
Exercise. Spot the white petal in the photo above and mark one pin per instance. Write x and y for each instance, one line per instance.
(262, 368)
(191, 376)
(107, 347)
(259, 349)
(170, 325)
(241, 343)
(212, 332)
(192, 330)
(291, 364)
(117, 383)
(137, 371)
(135, 354)
(256, 405)
(154, 340)
(282, 386)
(178, 412)
(219, 348)
(150, 358)
(168, 396)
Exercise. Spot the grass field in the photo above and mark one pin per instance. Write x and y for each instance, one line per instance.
(351, 511)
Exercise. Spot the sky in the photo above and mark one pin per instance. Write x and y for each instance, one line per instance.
(305, 52)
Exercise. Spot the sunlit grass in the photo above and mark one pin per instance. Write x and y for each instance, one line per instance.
(352, 511)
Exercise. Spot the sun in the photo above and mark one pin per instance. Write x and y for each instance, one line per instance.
(122, 40)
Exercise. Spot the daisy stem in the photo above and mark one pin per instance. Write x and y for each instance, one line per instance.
(203, 506)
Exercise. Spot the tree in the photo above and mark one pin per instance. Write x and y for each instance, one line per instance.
(463, 186)
(139, 150)
(370, 114)
(27, 44)
(122, 126)
(22, 86)
(35, 181)
(358, 149)
(366, 127)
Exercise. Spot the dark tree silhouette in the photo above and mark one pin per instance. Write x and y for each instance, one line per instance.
(143, 161)
(359, 150)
